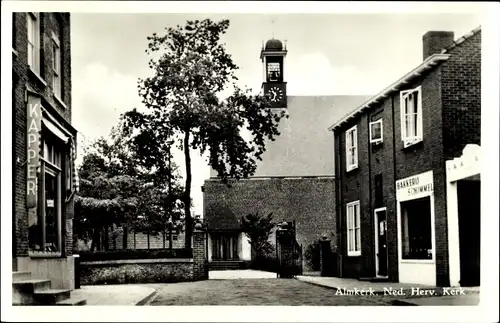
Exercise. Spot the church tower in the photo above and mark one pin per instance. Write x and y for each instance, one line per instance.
(273, 59)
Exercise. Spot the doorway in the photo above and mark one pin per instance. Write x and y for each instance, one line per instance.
(224, 246)
(381, 256)
(469, 228)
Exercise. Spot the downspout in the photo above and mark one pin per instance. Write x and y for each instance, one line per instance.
(369, 184)
(338, 192)
(394, 182)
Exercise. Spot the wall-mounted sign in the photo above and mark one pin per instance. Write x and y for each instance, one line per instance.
(415, 187)
(34, 117)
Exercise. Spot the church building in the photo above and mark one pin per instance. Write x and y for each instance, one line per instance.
(295, 178)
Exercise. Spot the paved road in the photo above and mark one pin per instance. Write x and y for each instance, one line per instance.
(257, 292)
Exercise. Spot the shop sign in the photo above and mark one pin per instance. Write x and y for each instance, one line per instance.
(415, 187)
(34, 117)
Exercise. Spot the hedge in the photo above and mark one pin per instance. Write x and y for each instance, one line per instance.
(135, 254)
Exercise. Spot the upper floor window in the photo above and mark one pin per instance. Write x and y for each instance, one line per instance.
(376, 136)
(56, 66)
(353, 229)
(351, 148)
(34, 41)
(411, 116)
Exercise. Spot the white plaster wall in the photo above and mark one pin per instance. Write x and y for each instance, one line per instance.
(417, 273)
(209, 247)
(244, 252)
(61, 271)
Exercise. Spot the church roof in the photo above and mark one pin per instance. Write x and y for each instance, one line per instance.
(305, 146)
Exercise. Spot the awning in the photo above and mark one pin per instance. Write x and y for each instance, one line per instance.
(55, 130)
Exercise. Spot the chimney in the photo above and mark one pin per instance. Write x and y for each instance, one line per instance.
(435, 41)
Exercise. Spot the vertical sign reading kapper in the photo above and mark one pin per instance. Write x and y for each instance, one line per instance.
(33, 135)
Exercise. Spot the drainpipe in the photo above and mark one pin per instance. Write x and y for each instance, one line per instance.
(368, 117)
(394, 183)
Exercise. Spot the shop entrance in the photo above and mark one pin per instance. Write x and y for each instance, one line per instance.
(469, 226)
(381, 242)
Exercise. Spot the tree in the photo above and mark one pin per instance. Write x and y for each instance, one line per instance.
(183, 106)
(258, 229)
(118, 188)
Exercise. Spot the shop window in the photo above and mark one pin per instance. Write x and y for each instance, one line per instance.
(353, 229)
(416, 229)
(46, 235)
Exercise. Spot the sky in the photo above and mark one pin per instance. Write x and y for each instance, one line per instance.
(328, 54)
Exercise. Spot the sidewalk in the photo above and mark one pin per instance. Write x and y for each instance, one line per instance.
(400, 293)
(240, 274)
(125, 295)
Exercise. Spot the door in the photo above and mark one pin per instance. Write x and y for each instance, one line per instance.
(225, 246)
(469, 226)
(381, 242)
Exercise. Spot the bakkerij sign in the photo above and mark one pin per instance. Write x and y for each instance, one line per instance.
(415, 187)
(34, 120)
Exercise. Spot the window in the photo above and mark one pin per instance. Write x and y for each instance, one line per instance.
(56, 66)
(351, 148)
(416, 229)
(411, 116)
(34, 41)
(376, 132)
(45, 234)
(273, 71)
(353, 229)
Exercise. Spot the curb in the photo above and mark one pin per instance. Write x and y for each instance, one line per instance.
(146, 299)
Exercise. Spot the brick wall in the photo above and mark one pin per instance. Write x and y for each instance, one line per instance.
(149, 270)
(21, 78)
(461, 95)
(309, 201)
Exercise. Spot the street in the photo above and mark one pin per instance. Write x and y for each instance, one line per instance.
(257, 292)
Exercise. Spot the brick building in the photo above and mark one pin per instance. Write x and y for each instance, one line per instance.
(294, 180)
(44, 147)
(398, 215)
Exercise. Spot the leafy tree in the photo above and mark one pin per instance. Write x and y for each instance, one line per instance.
(258, 229)
(190, 69)
(117, 188)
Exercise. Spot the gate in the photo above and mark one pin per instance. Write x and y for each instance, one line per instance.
(288, 251)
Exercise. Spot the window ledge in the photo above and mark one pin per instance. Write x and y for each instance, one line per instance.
(60, 101)
(354, 254)
(416, 261)
(40, 79)
(44, 254)
(408, 144)
(351, 168)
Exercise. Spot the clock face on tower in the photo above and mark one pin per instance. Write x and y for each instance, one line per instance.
(276, 94)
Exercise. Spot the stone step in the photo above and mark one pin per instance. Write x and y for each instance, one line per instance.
(22, 291)
(72, 302)
(20, 275)
(29, 286)
(51, 296)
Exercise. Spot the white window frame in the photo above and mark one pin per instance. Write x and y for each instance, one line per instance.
(33, 28)
(411, 139)
(377, 140)
(56, 67)
(353, 221)
(351, 149)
